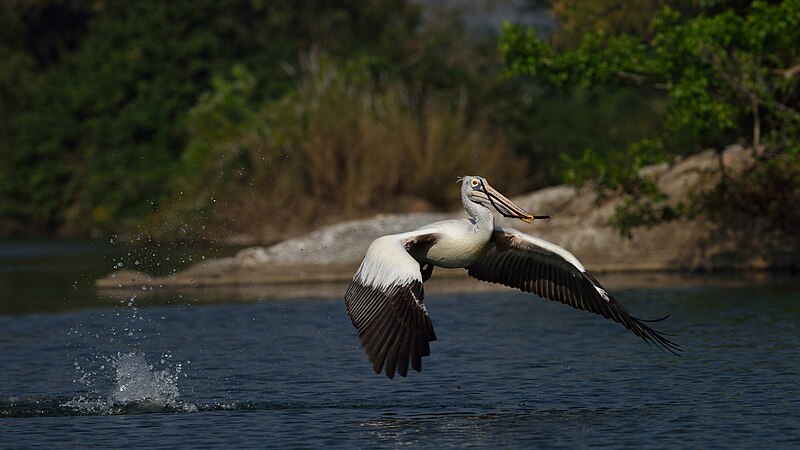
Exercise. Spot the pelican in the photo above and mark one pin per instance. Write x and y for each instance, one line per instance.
(385, 297)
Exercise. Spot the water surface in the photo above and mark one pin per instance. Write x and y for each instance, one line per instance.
(508, 371)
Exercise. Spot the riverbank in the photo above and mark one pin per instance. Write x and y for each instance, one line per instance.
(579, 223)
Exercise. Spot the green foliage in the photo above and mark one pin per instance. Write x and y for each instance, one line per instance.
(95, 95)
(617, 171)
(770, 192)
(720, 70)
(577, 18)
(644, 212)
(201, 111)
(221, 116)
(730, 72)
(106, 120)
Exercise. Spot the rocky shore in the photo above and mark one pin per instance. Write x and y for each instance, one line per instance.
(579, 221)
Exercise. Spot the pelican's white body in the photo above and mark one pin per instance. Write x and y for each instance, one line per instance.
(460, 243)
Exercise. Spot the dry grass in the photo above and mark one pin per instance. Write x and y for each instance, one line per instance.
(342, 148)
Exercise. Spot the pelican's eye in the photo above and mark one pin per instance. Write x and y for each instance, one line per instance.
(475, 182)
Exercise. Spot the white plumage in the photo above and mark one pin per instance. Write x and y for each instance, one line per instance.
(387, 263)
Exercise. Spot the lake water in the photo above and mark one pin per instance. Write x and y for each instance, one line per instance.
(508, 370)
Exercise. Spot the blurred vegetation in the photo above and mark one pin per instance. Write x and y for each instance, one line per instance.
(730, 72)
(205, 119)
(201, 118)
(95, 94)
(336, 146)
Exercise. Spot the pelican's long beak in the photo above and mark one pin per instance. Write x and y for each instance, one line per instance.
(506, 207)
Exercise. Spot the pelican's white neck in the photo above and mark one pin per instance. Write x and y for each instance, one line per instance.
(482, 217)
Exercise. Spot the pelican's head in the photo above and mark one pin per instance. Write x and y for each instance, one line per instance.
(477, 190)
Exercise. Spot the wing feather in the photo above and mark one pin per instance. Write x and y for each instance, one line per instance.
(534, 265)
(385, 304)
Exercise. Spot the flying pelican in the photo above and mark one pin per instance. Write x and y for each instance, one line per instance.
(384, 300)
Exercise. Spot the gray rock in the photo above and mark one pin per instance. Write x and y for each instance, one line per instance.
(340, 243)
(579, 223)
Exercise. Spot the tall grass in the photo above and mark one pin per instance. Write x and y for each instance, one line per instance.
(340, 146)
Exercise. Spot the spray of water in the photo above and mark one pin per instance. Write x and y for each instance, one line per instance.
(138, 388)
(124, 381)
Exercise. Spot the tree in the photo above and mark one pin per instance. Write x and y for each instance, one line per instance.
(97, 92)
(731, 73)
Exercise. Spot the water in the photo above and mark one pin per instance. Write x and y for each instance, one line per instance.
(507, 371)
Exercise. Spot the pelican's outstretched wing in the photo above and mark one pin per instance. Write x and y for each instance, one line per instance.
(534, 265)
(384, 302)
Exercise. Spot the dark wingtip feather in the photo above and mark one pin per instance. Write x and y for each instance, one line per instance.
(391, 322)
(655, 320)
(660, 340)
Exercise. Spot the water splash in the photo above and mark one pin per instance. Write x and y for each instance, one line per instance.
(139, 388)
(144, 388)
